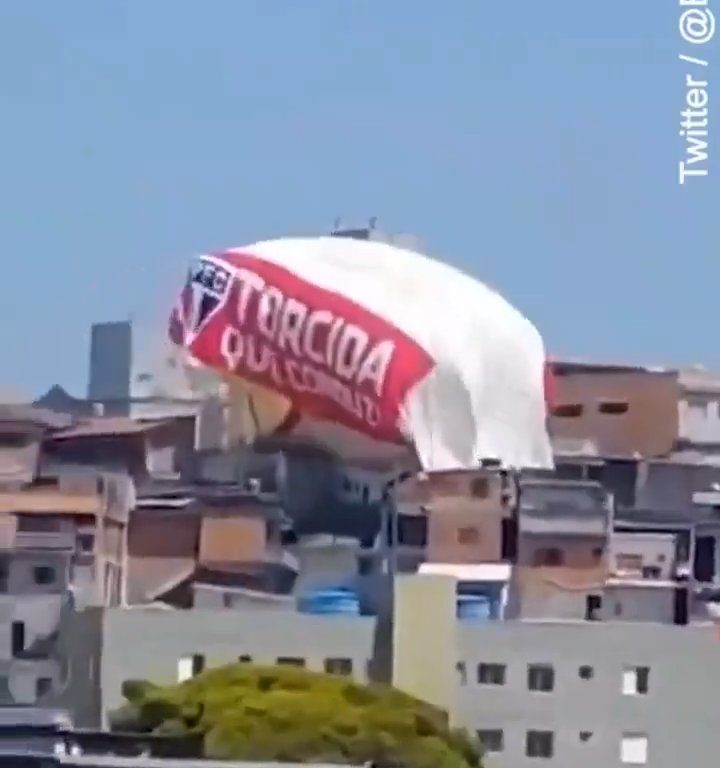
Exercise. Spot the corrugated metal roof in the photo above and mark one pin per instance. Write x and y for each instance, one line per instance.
(102, 426)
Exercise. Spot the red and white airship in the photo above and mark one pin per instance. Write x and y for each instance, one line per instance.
(380, 354)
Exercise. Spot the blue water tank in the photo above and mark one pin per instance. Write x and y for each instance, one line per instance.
(473, 608)
(340, 601)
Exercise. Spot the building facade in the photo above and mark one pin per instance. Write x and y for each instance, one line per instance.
(601, 695)
(556, 694)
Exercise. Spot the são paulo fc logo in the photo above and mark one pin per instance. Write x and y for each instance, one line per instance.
(205, 291)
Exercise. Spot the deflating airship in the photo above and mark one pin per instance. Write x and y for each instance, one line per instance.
(380, 354)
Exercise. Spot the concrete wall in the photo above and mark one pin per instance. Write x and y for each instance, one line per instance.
(22, 574)
(679, 714)
(648, 426)
(326, 565)
(653, 603)
(425, 631)
(149, 643)
(700, 421)
(586, 711)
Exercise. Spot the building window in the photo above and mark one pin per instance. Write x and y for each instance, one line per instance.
(85, 543)
(509, 534)
(18, 637)
(468, 535)
(43, 574)
(548, 556)
(635, 681)
(412, 530)
(586, 672)
(491, 674)
(634, 749)
(539, 744)
(568, 411)
(43, 686)
(38, 523)
(290, 661)
(492, 740)
(339, 666)
(613, 407)
(189, 666)
(593, 606)
(540, 677)
(245, 659)
(461, 670)
(585, 736)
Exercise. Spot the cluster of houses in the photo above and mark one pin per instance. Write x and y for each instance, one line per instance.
(123, 509)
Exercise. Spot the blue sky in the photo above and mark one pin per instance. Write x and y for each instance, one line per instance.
(532, 144)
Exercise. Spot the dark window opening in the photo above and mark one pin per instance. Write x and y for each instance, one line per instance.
(43, 574)
(37, 523)
(11, 440)
(539, 744)
(491, 674)
(290, 661)
(338, 666)
(643, 680)
(509, 543)
(585, 736)
(596, 472)
(704, 561)
(492, 740)
(586, 672)
(681, 611)
(613, 408)
(85, 542)
(569, 471)
(568, 411)
(198, 663)
(43, 686)
(412, 530)
(540, 677)
(593, 604)
(245, 659)
(18, 637)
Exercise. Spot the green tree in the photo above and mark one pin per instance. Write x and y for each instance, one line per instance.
(282, 713)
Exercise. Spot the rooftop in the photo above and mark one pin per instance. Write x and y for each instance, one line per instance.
(108, 426)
